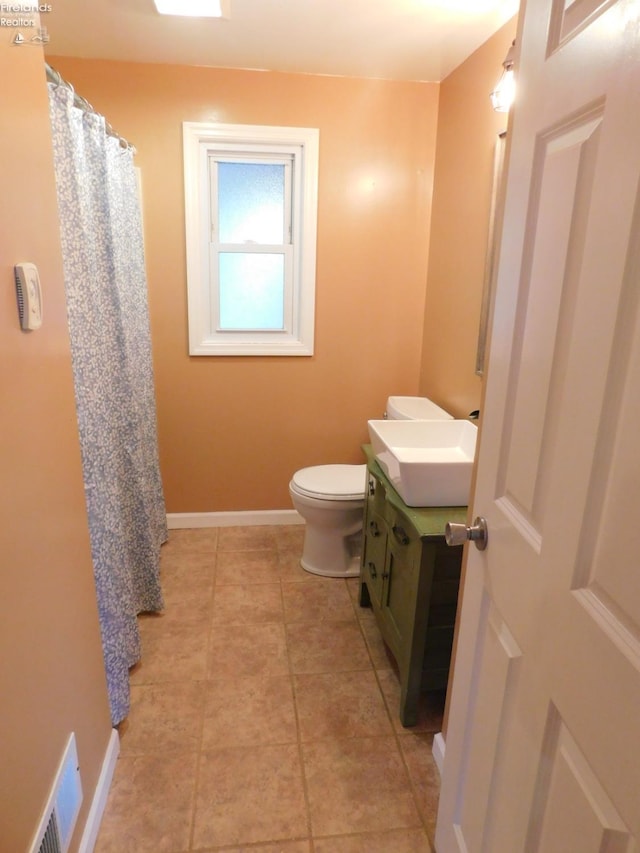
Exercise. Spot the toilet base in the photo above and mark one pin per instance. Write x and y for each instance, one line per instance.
(352, 570)
(331, 555)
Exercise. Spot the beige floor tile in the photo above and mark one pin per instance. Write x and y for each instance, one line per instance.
(247, 567)
(358, 785)
(430, 705)
(150, 805)
(398, 841)
(380, 654)
(317, 600)
(179, 653)
(361, 612)
(188, 603)
(243, 604)
(180, 574)
(249, 795)
(353, 585)
(180, 616)
(237, 650)
(290, 537)
(326, 647)
(340, 704)
(189, 562)
(289, 567)
(418, 755)
(258, 538)
(163, 718)
(189, 541)
(248, 711)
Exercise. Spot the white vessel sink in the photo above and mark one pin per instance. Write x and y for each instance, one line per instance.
(428, 462)
(415, 408)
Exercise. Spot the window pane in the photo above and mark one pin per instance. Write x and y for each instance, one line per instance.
(251, 291)
(251, 202)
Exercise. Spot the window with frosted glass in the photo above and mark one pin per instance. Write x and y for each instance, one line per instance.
(252, 229)
(251, 194)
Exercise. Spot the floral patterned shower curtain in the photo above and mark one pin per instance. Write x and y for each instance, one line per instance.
(108, 318)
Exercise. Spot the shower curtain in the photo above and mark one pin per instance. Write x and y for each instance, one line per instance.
(107, 310)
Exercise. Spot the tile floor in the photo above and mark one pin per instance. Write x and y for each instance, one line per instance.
(264, 713)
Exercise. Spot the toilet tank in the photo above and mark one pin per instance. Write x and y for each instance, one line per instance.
(414, 408)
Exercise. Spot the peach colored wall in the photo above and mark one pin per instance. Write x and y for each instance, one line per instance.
(233, 430)
(467, 132)
(51, 671)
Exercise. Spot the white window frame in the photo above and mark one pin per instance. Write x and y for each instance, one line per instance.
(203, 140)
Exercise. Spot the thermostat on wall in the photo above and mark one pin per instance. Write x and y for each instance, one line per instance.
(29, 296)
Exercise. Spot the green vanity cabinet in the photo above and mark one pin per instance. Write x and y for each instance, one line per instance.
(410, 577)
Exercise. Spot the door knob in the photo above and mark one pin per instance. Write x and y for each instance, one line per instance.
(458, 534)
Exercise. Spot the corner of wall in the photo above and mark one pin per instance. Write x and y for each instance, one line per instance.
(467, 132)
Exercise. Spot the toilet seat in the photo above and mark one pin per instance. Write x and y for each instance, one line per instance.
(331, 482)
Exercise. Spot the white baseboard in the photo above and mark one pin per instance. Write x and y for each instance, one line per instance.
(92, 826)
(437, 750)
(178, 520)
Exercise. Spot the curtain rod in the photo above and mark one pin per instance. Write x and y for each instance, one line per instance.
(81, 103)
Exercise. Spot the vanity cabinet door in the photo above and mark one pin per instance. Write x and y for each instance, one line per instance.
(401, 576)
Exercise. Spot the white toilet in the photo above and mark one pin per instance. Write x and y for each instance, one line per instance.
(330, 498)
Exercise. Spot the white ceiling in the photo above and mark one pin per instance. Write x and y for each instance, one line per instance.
(393, 39)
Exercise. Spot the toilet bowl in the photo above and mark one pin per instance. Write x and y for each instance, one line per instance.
(330, 499)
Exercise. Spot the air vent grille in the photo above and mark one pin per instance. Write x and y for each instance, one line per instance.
(20, 295)
(63, 806)
(51, 840)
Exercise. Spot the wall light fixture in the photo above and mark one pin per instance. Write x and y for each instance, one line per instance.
(504, 93)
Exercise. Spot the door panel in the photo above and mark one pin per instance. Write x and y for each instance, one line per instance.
(497, 659)
(569, 17)
(400, 594)
(566, 782)
(561, 183)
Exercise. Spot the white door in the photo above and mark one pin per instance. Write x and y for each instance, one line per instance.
(543, 742)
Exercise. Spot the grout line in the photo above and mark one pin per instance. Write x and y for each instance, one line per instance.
(192, 827)
(292, 678)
